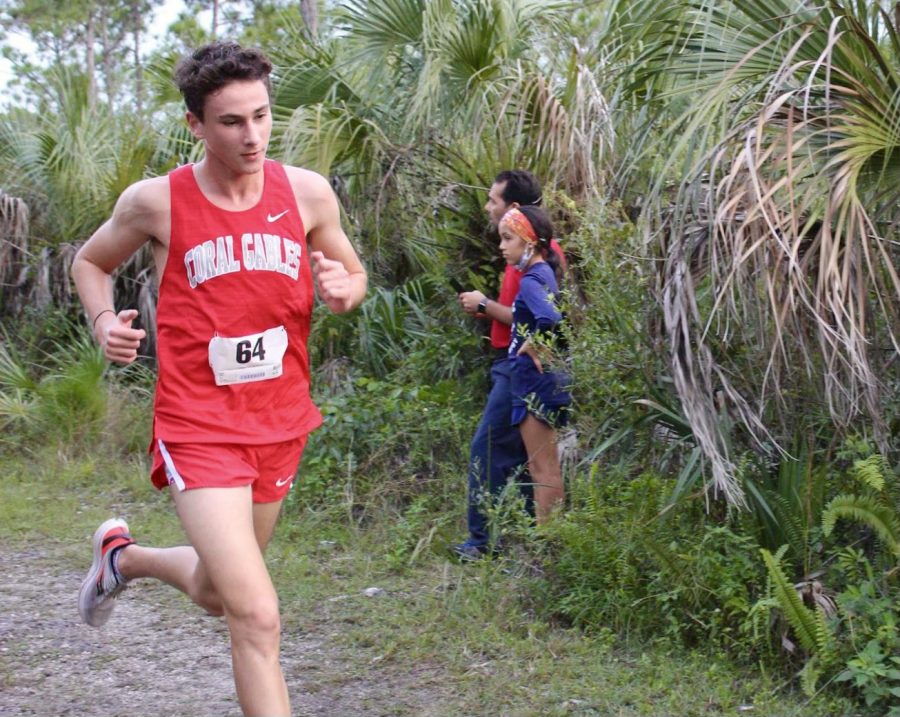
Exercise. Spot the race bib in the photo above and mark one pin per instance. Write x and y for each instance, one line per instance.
(242, 359)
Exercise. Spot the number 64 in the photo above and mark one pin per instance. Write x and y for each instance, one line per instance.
(245, 355)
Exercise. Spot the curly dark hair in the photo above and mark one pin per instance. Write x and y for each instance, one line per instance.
(209, 68)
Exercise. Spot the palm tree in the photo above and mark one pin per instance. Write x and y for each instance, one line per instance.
(70, 159)
(774, 213)
(438, 96)
(67, 162)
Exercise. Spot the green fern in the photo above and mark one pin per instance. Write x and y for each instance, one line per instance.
(800, 617)
(824, 639)
(870, 471)
(868, 510)
(809, 676)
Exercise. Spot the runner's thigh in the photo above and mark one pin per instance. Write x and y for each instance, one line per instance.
(219, 524)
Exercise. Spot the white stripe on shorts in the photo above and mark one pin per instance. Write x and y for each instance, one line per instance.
(171, 471)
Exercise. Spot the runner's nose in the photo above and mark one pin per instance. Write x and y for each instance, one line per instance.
(253, 135)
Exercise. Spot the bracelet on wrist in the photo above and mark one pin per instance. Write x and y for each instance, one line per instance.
(105, 311)
(482, 305)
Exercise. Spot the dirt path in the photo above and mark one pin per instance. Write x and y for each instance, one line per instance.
(159, 657)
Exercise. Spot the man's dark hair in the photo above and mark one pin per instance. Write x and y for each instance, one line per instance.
(209, 68)
(519, 186)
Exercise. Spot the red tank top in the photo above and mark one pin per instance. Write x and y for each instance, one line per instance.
(233, 274)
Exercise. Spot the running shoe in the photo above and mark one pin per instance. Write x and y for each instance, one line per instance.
(468, 552)
(104, 582)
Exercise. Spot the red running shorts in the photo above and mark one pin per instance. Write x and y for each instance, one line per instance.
(269, 468)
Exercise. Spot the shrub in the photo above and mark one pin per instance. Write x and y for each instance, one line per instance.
(617, 563)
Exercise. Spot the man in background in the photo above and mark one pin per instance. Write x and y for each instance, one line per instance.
(497, 453)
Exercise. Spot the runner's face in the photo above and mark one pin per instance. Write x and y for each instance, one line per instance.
(512, 246)
(236, 126)
(496, 205)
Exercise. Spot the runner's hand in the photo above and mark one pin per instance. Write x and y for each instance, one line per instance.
(333, 281)
(469, 301)
(120, 342)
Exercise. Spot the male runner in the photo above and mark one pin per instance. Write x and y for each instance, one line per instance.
(237, 240)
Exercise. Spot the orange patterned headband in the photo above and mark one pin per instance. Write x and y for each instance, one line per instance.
(519, 225)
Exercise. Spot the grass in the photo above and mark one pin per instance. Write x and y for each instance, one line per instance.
(461, 630)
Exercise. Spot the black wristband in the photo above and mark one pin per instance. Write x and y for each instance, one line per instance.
(105, 311)
(482, 305)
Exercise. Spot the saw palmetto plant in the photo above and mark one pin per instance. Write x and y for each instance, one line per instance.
(777, 238)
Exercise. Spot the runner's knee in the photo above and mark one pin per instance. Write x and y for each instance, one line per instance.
(255, 621)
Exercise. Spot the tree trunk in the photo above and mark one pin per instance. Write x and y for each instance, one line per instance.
(109, 76)
(310, 13)
(215, 18)
(138, 68)
(90, 62)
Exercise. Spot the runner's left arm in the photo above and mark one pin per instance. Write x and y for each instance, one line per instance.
(340, 275)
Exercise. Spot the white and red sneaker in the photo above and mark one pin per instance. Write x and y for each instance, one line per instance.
(104, 582)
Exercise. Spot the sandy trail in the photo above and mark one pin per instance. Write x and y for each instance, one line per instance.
(159, 656)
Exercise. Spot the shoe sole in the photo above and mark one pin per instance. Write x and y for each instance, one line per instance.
(97, 617)
(464, 556)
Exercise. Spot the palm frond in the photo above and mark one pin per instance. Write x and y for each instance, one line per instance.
(13, 374)
(778, 236)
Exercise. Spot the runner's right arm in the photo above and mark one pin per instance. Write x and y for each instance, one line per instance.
(134, 222)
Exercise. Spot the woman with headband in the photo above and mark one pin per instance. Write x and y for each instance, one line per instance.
(540, 392)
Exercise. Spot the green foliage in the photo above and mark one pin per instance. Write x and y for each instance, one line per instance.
(807, 624)
(613, 368)
(67, 395)
(869, 511)
(70, 159)
(71, 399)
(870, 472)
(415, 329)
(872, 649)
(851, 637)
(873, 508)
(810, 625)
(66, 402)
(613, 564)
(382, 444)
(876, 675)
(785, 503)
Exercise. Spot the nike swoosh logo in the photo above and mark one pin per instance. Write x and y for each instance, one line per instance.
(280, 483)
(270, 218)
